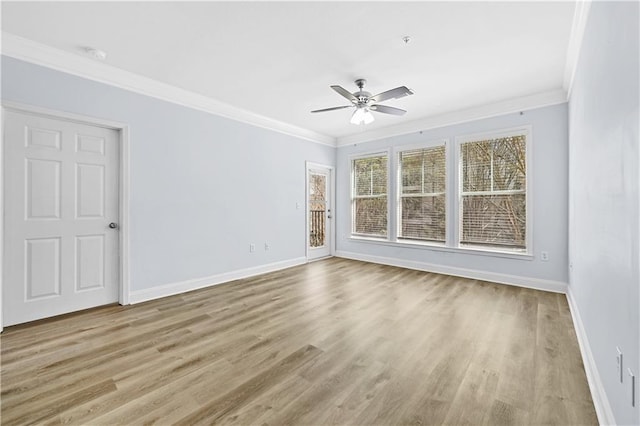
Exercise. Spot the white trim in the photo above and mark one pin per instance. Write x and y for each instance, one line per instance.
(494, 134)
(578, 26)
(171, 289)
(332, 203)
(123, 182)
(527, 131)
(62, 115)
(2, 118)
(515, 280)
(352, 197)
(435, 246)
(430, 143)
(40, 54)
(397, 150)
(598, 394)
(369, 154)
(495, 109)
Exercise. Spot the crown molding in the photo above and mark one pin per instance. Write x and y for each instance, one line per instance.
(40, 54)
(523, 103)
(578, 26)
(47, 56)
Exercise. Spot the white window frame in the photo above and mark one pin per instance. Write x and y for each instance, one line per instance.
(398, 199)
(527, 131)
(359, 156)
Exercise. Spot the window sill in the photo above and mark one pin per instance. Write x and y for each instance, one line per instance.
(441, 247)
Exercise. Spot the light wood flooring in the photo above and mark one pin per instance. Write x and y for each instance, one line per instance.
(331, 342)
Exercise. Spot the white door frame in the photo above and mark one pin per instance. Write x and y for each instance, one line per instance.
(332, 201)
(123, 190)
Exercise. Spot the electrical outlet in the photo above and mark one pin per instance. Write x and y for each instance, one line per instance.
(266, 246)
(297, 206)
(619, 364)
(544, 256)
(252, 248)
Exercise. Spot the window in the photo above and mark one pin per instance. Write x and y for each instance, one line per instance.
(483, 205)
(369, 195)
(493, 192)
(422, 193)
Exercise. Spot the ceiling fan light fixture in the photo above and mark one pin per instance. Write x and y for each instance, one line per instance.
(365, 103)
(362, 116)
(368, 117)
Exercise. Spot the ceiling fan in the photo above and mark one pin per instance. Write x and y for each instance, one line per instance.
(364, 103)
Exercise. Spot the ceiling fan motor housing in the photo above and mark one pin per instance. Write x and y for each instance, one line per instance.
(362, 96)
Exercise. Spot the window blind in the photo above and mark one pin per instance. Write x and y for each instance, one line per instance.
(422, 204)
(369, 195)
(493, 196)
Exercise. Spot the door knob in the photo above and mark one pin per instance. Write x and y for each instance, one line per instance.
(113, 225)
(329, 217)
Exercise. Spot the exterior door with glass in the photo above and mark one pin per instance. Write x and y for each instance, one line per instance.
(319, 212)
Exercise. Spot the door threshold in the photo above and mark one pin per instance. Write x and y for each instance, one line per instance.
(319, 258)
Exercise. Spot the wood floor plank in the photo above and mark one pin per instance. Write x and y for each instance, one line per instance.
(352, 400)
(162, 404)
(239, 396)
(502, 413)
(333, 342)
(53, 404)
(275, 399)
(475, 394)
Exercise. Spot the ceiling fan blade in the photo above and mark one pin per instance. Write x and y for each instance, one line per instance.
(333, 108)
(398, 92)
(344, 92)
(387, 109)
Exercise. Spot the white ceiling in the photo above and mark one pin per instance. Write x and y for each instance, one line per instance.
(278, 59)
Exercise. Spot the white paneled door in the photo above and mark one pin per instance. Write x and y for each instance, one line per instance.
(61, 217)
(319, 213)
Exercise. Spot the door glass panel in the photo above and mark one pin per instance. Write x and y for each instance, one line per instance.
(317, 209)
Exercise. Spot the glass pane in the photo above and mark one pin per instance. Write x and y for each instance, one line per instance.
(317, 207)
(423, 170)
(411, 168)
(370, 176)
(370, 216)
(316, 227)
(476, 166)
(509, 165)
(434, 170)
(423, 218)
(317, 187)
(379, 172)
(495, 220)
(362, 177)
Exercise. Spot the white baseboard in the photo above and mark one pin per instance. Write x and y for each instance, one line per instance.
(598, 394)
(534, 283)
(189, 285)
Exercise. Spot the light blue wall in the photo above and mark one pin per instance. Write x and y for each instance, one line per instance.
(604, 195)
(549, 197)
(202, 187)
